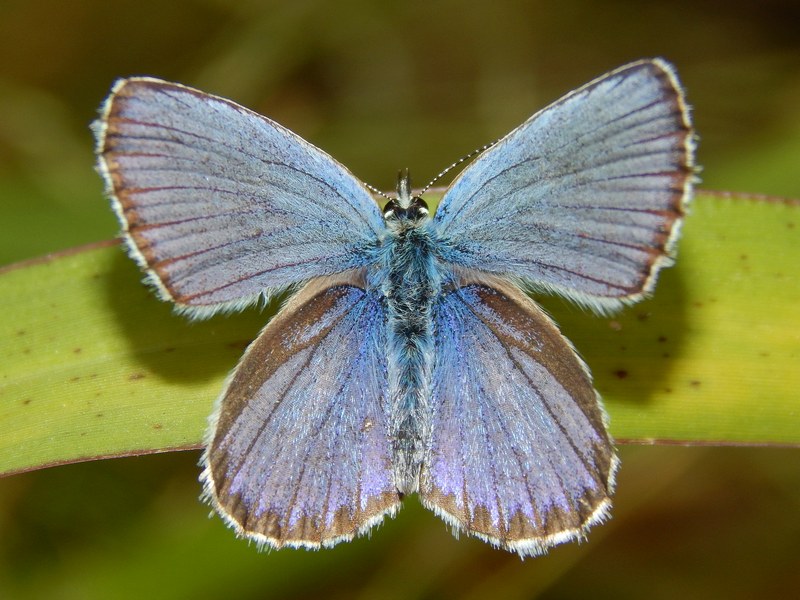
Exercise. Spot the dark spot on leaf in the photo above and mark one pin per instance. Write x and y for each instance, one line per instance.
(158, 426)
(74, 379)
(77, 350)
(21, 332)
(99, 414)
(643, 316)
(694, 383)
(621, 373)
(662, 339)
(27, 401)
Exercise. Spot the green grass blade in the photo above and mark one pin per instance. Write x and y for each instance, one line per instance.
(714, 356)
(94, 366)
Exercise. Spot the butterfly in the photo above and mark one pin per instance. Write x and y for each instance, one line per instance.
(409, 358)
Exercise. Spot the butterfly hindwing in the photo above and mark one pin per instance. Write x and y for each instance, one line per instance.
(519, 454)
(220, 204)
(298, 454)
(585, 198)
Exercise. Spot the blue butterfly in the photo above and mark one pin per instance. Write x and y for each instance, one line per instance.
(409, 360)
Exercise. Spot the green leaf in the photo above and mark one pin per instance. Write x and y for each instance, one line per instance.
(93, 365)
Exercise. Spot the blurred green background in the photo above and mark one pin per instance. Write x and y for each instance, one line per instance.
(381, 86)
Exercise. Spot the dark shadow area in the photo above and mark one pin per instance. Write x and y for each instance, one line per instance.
(630, 353)
(172, 345)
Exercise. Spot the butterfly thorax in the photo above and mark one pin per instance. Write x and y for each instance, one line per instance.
(410, 282)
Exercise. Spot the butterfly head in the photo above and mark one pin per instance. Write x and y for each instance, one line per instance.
(405, 209)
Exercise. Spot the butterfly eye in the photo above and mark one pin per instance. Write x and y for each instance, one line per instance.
(391, 209)
(418, 209)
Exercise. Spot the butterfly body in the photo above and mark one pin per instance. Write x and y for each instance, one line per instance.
(409, 359)
(409, 276)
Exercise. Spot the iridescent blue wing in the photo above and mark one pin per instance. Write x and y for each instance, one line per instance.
(298, 453)
(519, 453)
(585, 198)
(219, 204)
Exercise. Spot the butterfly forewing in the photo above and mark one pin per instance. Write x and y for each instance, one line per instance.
(220, 204)
(584, 198)
(519, 455)
(298, 453)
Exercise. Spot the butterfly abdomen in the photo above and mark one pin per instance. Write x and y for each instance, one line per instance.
(410, 285)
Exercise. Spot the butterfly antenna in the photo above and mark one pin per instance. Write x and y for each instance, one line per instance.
(375, 190)
(458, 162)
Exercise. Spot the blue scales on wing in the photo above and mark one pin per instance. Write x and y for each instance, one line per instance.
(221, 205)
(299, 454)
(585, 198)
(519, 454)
